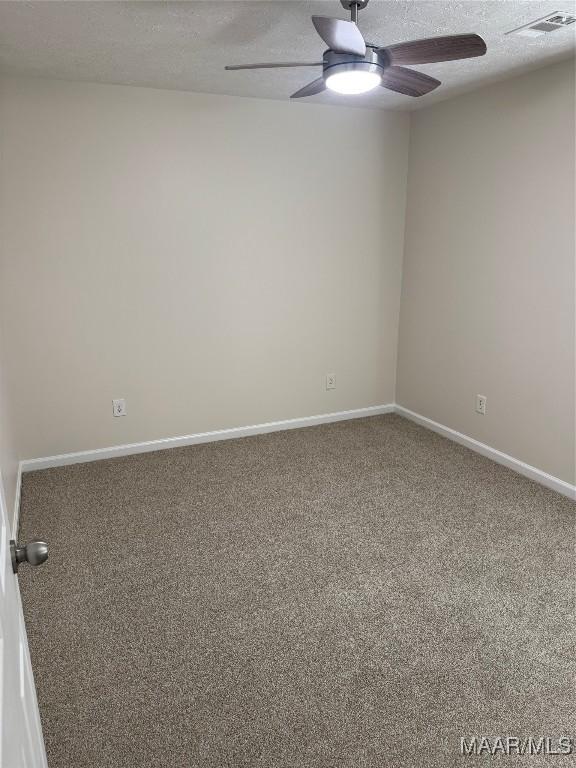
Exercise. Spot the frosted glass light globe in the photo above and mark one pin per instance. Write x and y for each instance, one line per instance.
(353, 81)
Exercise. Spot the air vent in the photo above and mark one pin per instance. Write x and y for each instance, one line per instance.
(562, 18)
(551, 23)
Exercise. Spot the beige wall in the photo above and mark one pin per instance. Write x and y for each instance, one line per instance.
(208, 258)
(212, 258)
(488, 280)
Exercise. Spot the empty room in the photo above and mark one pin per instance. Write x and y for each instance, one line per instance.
(287, 384)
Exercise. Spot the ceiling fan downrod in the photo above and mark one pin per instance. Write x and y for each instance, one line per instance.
(354, 6)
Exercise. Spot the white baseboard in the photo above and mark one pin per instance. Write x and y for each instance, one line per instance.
(98, 454)
(561, 486)
(30, 465)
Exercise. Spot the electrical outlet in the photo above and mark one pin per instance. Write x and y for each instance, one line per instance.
(330, 381)
(481, 405)
(119, 407)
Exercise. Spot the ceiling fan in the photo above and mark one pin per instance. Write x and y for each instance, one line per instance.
(351, 66)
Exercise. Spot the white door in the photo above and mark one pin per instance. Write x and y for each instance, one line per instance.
(21, 743)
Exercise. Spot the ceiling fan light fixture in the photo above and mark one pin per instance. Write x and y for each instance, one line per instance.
(353, 81)
(351, 66)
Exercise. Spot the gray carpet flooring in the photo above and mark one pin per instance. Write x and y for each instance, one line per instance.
(355, 595)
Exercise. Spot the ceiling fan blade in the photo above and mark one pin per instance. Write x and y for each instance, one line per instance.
(408, 81)
(433, 49)
(316, 86)
(275, 65)
(340, 36)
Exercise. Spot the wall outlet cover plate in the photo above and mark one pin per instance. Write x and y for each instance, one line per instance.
(119, 407)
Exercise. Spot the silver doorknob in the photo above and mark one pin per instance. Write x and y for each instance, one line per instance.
(35, 553)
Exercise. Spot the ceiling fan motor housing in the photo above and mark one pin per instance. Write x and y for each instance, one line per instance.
(347, 62)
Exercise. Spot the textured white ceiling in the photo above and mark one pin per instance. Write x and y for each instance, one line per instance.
(185, 45)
